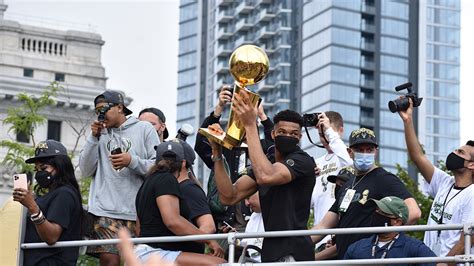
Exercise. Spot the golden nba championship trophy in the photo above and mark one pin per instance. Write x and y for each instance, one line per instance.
(248, 65)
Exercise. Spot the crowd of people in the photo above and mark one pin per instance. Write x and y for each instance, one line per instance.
(143, 185)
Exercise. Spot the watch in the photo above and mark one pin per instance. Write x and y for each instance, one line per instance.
(217, 158)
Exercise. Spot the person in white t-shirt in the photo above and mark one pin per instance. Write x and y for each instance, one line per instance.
(335, 158)
(453, 196)
(254, 225)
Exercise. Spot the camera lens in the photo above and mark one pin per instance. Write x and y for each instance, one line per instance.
(398, 105)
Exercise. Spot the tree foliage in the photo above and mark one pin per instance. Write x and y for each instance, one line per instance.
(423, 201)
(24, 119)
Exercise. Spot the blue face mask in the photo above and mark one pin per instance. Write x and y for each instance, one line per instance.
(364, 161)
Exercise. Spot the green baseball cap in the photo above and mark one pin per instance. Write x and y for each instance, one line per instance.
(393, 206)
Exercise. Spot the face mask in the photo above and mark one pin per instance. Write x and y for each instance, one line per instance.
(454, 162)
(44, 178)
(364, 161)
(286, 145)
(380, 220)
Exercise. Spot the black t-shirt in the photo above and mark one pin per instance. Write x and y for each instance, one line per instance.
(375, 185)
(61, 206)
(151, 222)
(287, 207)
(196, 201)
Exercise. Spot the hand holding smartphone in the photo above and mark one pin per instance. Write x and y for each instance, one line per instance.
(20, 181)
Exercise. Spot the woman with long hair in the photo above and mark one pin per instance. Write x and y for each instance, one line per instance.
(55, 209)
(162, 211)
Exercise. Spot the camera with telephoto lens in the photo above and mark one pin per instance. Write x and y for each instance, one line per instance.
(403, 103)
(311, 120)
(185, 131)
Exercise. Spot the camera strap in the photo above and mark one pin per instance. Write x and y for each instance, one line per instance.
(310, 140)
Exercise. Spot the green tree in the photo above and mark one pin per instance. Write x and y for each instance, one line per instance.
(423, 201)
(24, 119)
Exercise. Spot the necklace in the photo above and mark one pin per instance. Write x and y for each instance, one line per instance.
(353, 186)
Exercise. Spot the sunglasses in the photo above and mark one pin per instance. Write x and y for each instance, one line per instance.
(104, 108)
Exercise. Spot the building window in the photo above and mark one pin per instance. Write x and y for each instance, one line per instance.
(59, 77)
(22, 137)
(54, 130)
(28, 72)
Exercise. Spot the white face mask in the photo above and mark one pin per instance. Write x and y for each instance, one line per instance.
(364, 161)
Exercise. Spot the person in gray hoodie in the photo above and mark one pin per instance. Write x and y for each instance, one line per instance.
(118, 153)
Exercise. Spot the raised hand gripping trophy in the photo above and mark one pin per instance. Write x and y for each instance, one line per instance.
(248, 65)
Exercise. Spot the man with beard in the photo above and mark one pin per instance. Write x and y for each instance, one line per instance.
(284, 186)
(453, 196)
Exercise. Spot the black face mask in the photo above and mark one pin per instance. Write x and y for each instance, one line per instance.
(380, 220)
(454, 162)
(44, 179)
(286, 145)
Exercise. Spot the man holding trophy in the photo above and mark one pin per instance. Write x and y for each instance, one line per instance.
(285, 183)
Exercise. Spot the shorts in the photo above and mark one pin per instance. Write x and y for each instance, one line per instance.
(144, 252)
(107, 228)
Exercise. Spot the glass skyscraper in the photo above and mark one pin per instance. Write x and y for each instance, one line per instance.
(341, 55)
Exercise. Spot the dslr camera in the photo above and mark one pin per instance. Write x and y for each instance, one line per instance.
(403, 103)
(311, 120)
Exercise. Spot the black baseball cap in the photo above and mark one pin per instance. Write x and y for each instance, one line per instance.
(345, 174)
(114, 97)
(158, 113)
(48, 148)
(170, 150)
(362, 136)
(189, 154)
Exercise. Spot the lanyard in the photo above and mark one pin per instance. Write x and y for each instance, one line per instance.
(390, 244)
(440, 221)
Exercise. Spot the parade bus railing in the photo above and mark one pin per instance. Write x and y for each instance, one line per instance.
(233, 237)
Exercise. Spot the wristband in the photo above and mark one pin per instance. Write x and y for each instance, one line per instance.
(217, 158)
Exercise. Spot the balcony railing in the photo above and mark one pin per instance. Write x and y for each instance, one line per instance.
(266, 32)
(245, 7)
(224, 33)
(233, 237)
(265, 15)
(244, 24)
(225, 16)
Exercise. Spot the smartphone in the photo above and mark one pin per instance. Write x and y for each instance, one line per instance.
(117, 150)
(20, 181)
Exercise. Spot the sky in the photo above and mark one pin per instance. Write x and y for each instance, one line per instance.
(141, 48)
(140, 54)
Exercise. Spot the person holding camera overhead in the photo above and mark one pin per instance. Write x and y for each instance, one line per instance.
(453, 196)
(330, 126)
(117, 154)
(352, 207)
(55, 211)
(285, 185)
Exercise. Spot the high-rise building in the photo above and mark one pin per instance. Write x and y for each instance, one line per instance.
(339, 55)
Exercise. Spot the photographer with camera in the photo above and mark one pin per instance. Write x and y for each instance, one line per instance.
(157, 119)
(453, 196)
(330, 127)
(118, 160)
(351, 207)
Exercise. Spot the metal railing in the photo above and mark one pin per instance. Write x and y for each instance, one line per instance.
(232, 239)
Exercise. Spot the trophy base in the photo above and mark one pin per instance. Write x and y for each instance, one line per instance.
(224, 140)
